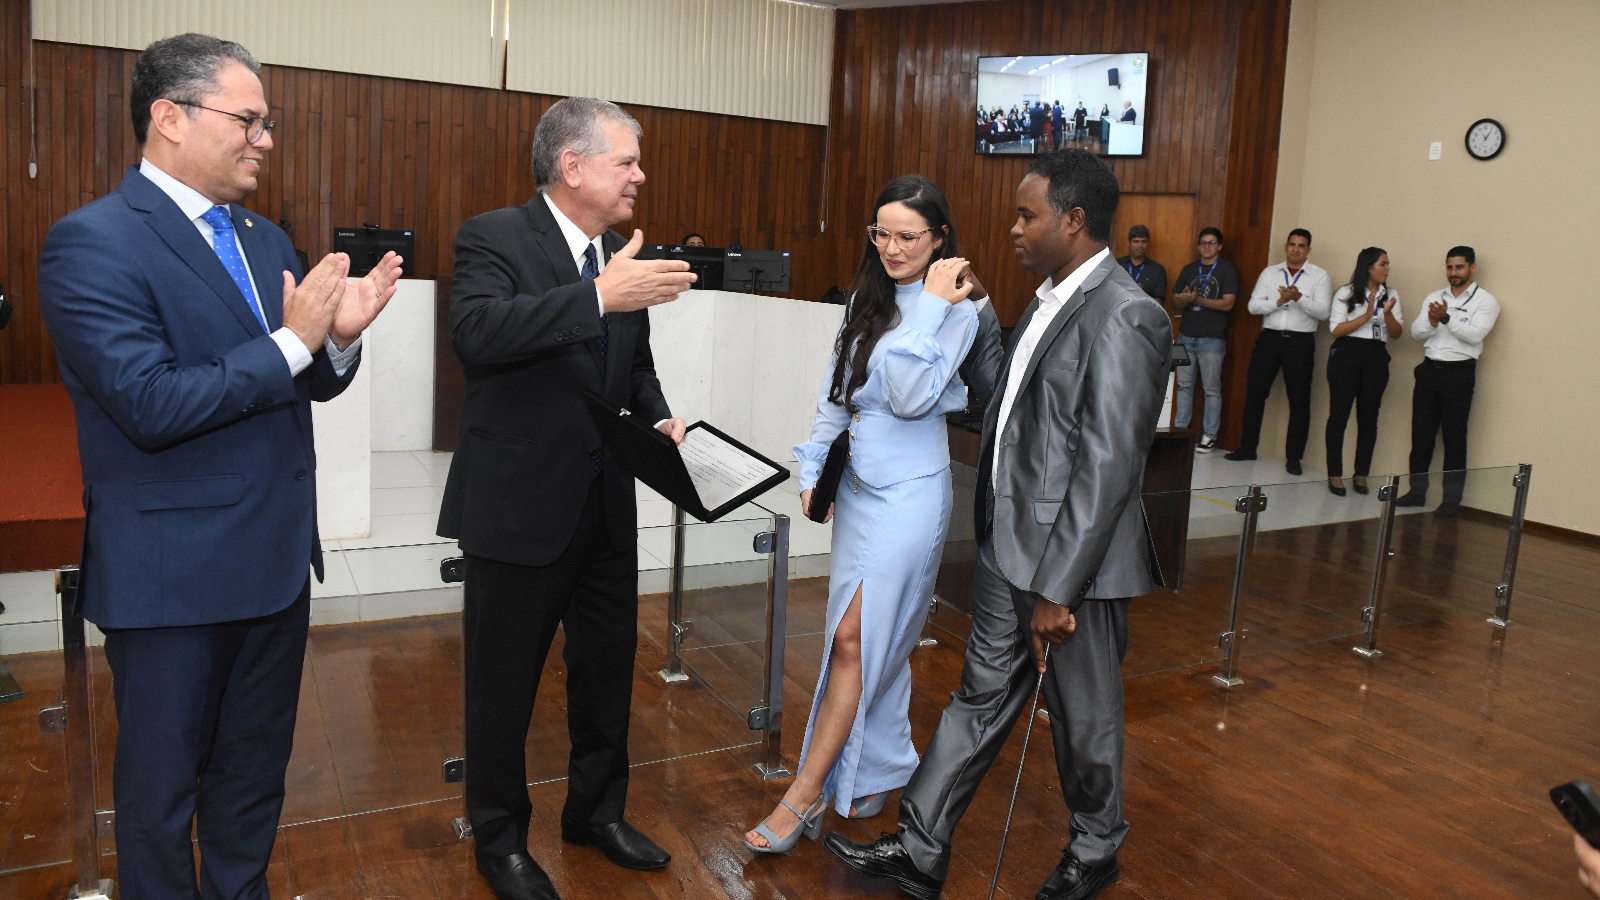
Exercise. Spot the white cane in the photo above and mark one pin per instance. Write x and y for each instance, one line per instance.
(1027, 735)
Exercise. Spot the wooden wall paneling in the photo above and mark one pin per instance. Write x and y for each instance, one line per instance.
(13, 181)
(1170, 218)
(1214, 102)
(352, 148)
(1252, 178)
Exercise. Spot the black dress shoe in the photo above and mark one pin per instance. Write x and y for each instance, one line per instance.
(622, 843)
(1240, 455)
(1412, 499)
(516, 877)
(1359, 485)
(1074, 880)
(887, 858)
(1336, 490)
(1293, 467)
(1447, 510)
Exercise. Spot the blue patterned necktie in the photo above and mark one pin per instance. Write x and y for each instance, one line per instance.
(227, 249)
(591, 271)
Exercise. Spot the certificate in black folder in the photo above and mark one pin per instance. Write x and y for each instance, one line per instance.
(708, 475)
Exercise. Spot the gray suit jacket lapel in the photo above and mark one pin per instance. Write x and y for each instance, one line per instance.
(1065, 314)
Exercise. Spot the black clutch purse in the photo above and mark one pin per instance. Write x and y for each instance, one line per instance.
(827, 487)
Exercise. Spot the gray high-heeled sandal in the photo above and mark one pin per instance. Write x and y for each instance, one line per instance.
(866, 809)
(810, 825)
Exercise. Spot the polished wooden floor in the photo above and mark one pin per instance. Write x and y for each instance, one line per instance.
(1419, 774)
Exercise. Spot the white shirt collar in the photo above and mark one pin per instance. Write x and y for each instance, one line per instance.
(1054, 295)
(193, 203)
(1466, 292)
(577, 241)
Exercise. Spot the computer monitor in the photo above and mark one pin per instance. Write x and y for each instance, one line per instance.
(756, 271)
(706, 262)
(368, 245)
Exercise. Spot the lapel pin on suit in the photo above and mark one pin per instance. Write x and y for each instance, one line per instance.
(249, 224)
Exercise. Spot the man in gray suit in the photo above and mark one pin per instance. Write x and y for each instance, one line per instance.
(1062, 541)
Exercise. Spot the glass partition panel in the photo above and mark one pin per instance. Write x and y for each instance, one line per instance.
(381, 693)
(34, 824)
(1311, 567)
(723, 606)
(1450, 564)
(1196, 537)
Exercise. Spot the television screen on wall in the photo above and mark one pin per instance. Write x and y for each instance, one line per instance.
(1029, 105)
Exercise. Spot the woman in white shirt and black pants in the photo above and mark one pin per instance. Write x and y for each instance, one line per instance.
(1363, 320)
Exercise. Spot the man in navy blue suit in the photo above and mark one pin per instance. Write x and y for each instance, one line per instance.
(192, 357)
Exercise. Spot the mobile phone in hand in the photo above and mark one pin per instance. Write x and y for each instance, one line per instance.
(1578, 802)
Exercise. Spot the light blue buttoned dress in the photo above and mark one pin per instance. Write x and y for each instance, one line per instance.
(889, 525)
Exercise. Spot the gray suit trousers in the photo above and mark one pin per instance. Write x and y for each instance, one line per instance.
(1082, 690)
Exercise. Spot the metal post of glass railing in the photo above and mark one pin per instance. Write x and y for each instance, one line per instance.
(677, 628)
(1519, 508)
(768, 717)
(73, 718)
(1372, 613)
(1252, 504)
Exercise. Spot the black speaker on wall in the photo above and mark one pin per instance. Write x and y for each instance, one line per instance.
(1112, 75)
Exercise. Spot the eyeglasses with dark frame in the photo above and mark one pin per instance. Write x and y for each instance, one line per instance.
(255, 127)
(906, 239)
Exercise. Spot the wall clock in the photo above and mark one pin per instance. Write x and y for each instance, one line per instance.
(1485, 139)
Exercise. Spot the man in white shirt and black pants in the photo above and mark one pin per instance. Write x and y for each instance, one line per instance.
(1291, 297)
(1452, 325)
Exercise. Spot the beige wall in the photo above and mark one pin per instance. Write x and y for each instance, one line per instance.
(1369, 85)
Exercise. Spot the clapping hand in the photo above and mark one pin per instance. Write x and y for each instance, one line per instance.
(309, 308)
(363, 300)
(1436, 312)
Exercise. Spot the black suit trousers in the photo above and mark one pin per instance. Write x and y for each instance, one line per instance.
(1358, 373)
(1441, 401)
(511, 614)
(205, 723)
(1294, 352)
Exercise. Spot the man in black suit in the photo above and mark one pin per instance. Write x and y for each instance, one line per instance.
(1128, 115)
(547, 302)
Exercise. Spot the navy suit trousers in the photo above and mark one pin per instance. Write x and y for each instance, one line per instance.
(205, 723)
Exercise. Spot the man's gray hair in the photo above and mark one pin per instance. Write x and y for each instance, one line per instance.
(576, 124)
(182, 69)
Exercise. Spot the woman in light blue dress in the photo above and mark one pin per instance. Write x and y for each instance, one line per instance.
(908, 327)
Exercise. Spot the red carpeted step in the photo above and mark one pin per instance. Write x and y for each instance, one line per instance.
(41, 482)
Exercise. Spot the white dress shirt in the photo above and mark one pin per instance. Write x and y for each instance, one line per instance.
(1374, 329)
(1460, 336)
(194, 205)
(1051, 300)
(578, 243)
(1297, 315)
